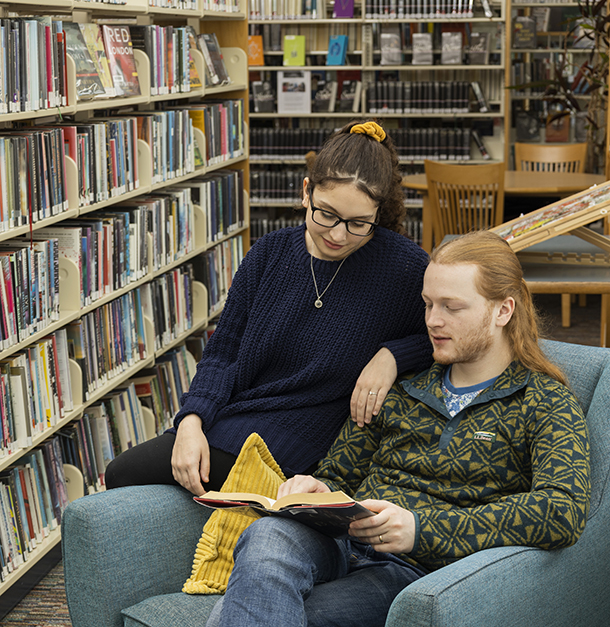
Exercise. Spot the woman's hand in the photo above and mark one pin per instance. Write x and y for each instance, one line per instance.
(301, 484)
(191, 455)
(372, 387)
(391, 530)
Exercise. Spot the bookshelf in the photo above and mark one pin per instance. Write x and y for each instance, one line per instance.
(419, 130)
(527, 114)
(168, 252)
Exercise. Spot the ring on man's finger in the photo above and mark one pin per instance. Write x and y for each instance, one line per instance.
(371, 393)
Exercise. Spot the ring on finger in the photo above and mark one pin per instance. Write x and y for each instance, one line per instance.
(371, 393)
(380, 539)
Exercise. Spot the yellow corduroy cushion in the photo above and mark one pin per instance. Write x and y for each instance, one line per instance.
(254, 471)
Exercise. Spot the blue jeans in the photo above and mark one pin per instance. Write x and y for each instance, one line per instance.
(288, 574)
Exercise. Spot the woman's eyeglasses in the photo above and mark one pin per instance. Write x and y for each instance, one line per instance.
(328, 219)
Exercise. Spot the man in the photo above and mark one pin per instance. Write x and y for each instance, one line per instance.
(487, 448)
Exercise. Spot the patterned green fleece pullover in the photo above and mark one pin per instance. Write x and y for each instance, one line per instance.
(512, 468)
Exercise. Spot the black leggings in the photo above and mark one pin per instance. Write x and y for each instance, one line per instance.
(150, 463)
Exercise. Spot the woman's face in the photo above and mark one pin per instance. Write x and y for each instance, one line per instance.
(344, 201)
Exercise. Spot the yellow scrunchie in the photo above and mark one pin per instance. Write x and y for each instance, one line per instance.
(372, 129)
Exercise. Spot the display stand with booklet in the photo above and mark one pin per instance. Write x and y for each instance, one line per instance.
(328, 512)
(569, 215)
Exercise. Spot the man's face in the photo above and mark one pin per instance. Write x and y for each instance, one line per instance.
(460, 321)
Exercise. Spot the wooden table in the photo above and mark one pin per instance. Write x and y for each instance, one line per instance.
(515, 184)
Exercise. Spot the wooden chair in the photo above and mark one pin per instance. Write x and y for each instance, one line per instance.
(464, 198)
(550, 157)
(553, 158)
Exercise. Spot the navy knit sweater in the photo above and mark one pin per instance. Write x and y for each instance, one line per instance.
(279, 367)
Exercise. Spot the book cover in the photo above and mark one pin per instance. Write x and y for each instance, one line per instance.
(451, 48)
(337, 50)
(294, 50)
(391, 46)
(119, 50)
(214, 59)
(92, 35)
(294, 92)
(192, 44)
(263, 96)
(524, 32)
(255, 50)
(88, 82)
(343, 8)
(325, 97)
(422, 49)
(351, 91)
(478, 50)
(329, 512)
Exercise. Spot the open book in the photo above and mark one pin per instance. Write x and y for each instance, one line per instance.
(327, 512)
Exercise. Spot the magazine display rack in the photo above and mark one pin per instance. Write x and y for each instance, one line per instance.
(230, 24)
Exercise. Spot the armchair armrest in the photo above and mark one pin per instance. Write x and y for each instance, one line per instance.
(125, 545)
(515, 586)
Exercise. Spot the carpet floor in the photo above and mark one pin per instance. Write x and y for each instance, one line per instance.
(45, 605)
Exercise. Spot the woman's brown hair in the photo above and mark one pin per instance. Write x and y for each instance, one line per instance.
(499, 277)
(371, 165)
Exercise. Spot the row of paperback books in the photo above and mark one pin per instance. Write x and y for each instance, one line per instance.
(170, 220)
(272, 185)
(32, 64)
(109, 250)
(32, 176)
(159, 388)
(222, 123)
(285, 143)
(33, 496)
(29, 288)
(221, 197)
(170, 136)
(115, 424)
(298, 9)
(425, 97)
(423, 9)
(110, 339)
(262, 226)
(440, 144)
(216, 268)
(36, 390)
(171, 304)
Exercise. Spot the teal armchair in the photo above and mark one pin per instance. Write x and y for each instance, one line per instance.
(128, 551)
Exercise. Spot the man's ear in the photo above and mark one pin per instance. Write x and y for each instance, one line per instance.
(505, 311)
(305, 201)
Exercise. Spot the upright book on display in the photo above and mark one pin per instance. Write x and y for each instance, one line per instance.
(119, 50)
(294, 92)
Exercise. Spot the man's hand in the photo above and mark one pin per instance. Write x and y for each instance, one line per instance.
(391, 530)
(373, 384)
(301, 484)
(191, 455)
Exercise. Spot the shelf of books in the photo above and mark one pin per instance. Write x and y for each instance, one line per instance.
(433, 71)
(540, 49)
(124, 214)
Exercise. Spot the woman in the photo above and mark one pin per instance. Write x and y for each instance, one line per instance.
(318, 322)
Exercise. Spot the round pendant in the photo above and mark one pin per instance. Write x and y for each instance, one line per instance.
(318, 303)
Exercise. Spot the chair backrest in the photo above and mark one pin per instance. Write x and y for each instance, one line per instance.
(588, 371)
(550, 158)
(464, 198)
